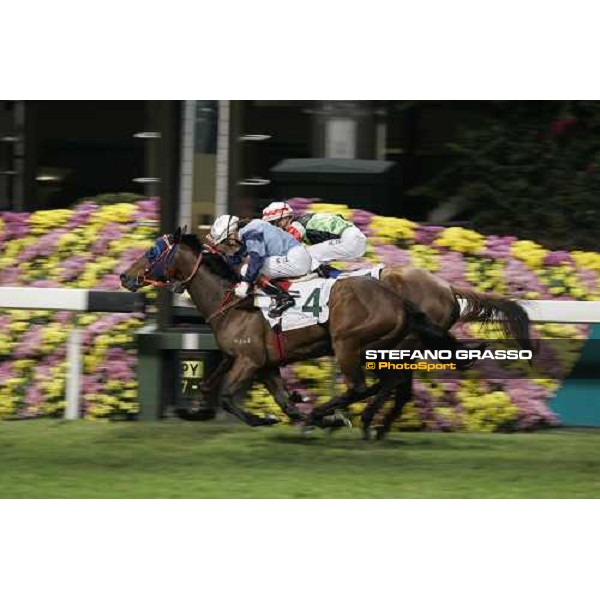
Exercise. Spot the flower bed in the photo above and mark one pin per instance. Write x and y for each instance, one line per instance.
(503, 265)
(89, 245)
(85, 247)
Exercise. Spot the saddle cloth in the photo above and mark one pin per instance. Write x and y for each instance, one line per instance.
(374, 272)
(312, 299)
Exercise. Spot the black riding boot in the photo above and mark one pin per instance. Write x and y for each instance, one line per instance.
(328, 272)
(283, 300)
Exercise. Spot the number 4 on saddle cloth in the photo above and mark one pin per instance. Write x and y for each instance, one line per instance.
(312, 299)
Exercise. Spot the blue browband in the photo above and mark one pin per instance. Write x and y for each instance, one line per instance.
(160, 257)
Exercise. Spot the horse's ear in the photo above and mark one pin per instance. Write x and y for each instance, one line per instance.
(184, 231)
(177, 236)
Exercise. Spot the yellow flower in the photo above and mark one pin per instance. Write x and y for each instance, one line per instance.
(461, 240)
(336, 209)
(557, 330)
(67, 241)
(424, 257)
(113, 213)
(487, 412)
(587, 260)
(529, 252)
(55, 334)
(84, 320)
(388, 230)
(18, 326)
(90, 364)
(42, 221)
(24, 363)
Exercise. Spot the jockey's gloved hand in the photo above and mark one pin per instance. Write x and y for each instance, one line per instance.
(241, 289)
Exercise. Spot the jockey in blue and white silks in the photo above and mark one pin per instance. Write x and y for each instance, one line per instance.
(271, 253)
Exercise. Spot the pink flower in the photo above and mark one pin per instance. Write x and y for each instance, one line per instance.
(559, 257)
(426, 234)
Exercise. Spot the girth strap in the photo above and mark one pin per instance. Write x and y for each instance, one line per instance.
(278, 333)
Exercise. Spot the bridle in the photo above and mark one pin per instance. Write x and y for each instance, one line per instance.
(157, 272)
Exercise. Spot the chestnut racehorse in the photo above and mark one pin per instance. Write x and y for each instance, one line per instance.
(364, 313)
(441, 303)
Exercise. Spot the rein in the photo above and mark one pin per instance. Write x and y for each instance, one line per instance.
(167, 256)
(180, 286)
(191, 276)
(225, 306)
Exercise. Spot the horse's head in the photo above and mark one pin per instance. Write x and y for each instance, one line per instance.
(172, 262)
(159, 265)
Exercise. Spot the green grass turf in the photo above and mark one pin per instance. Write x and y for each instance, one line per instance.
(58, 459)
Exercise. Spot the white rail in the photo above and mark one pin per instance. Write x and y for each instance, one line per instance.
(539, 311)
(72, 300)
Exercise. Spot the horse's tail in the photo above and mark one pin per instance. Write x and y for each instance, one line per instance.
(493, 309)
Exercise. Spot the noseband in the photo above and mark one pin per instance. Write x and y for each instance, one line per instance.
(157, 275)
(157, 271)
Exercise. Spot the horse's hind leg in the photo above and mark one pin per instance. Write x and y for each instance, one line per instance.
(402, 394)
(349, 361)
(374, 407)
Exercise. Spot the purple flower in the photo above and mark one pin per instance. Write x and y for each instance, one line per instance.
(30, 343)
(147, 210)
(426, 234)
(497, 247)
(10, 276)
(558, 257)
(452, 268)
(520, 279)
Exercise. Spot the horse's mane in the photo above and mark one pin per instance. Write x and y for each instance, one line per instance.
(191, 241)
(214, 262)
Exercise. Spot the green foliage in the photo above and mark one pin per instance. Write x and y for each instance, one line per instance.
(532, 170)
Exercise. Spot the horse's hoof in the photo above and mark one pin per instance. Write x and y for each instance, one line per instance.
(366, 434)
(336, 421)
(270, 420)
(297, 398)
(308, 430)
(296, 418)
(380, 434)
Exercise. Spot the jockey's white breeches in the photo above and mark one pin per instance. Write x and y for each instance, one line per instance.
(351, 245)
(294, 264)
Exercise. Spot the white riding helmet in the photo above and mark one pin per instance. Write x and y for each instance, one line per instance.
(223, 227)
(277, 210)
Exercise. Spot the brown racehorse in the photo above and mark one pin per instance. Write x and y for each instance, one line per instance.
(363, 314)
(440, 302)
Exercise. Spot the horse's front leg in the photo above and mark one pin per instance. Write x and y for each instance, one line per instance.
(237, 381)
(277, 388)
(217, 375)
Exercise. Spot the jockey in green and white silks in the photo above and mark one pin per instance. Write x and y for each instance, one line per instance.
(329, 236)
